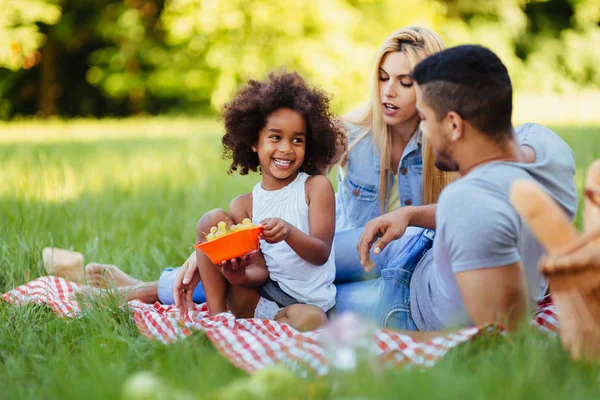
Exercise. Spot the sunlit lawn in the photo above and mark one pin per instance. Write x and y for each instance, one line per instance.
(129, 193)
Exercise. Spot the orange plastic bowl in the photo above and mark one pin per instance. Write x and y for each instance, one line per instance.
(232, 245)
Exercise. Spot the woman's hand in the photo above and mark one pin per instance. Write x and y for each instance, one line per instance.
(188, 277)
(234, 270)
(275, 230)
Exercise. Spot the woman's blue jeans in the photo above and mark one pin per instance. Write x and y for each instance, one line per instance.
(383, 295)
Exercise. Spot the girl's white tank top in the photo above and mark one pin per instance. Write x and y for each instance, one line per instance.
(306, 282)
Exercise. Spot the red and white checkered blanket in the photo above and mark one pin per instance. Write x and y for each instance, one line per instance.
(251, 344)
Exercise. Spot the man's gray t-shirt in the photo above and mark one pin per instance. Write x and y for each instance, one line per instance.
(476, 227)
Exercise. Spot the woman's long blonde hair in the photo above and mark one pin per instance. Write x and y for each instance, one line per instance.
(416, 43)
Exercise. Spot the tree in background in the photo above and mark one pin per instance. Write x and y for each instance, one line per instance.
(221, 44)
(124, 57)
(19, 33)
(89, 34)
(561, 46)
(21, 40)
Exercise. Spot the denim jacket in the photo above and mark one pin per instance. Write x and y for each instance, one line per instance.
(357, 198)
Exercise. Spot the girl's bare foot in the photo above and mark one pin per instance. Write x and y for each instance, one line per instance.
(106, 276)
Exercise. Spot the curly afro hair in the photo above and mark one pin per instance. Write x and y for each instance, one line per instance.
(247, 114)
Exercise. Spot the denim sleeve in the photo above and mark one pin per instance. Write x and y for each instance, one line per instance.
(477, 229)
(352, 131)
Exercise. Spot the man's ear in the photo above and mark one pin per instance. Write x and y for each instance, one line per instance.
(456, 125)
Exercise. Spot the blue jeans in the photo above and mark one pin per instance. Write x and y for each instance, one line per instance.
(384, 294)
(165, 288)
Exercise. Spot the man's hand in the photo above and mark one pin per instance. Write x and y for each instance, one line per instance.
(275, 230)
(234, 270)
(188, 277)
(388, 227)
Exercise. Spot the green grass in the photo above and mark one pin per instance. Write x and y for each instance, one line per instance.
(130, 192)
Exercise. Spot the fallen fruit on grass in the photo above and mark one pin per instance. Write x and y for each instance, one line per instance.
(276, 378)
(147, 386)
(274, 382)
(243, 389)
(142, 386)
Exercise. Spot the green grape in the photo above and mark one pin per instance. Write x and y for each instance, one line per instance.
(220, 233)
(222, 225)
(213, 229)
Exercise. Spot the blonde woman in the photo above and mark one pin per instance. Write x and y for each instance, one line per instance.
(387, 168)
(386, 134)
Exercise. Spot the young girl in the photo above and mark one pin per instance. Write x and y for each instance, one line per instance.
(284, 129)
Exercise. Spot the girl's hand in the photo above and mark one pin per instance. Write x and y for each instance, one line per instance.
(234, 270)
(275, 230)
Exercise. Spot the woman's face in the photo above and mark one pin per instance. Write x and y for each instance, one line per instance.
(396, 89)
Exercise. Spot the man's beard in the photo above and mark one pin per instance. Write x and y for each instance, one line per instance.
(444, 162)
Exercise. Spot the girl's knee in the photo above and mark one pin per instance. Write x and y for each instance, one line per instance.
(306, 317)
(319, 318)
(211, 219)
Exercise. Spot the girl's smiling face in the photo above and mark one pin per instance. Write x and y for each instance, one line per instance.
(281, 147)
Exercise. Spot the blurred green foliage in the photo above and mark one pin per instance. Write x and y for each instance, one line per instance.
(124, 57)
(19, 33)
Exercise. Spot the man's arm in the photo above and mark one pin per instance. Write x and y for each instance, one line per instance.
(491, 296)
(495, 295)
(391, 226)
(422, 216)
